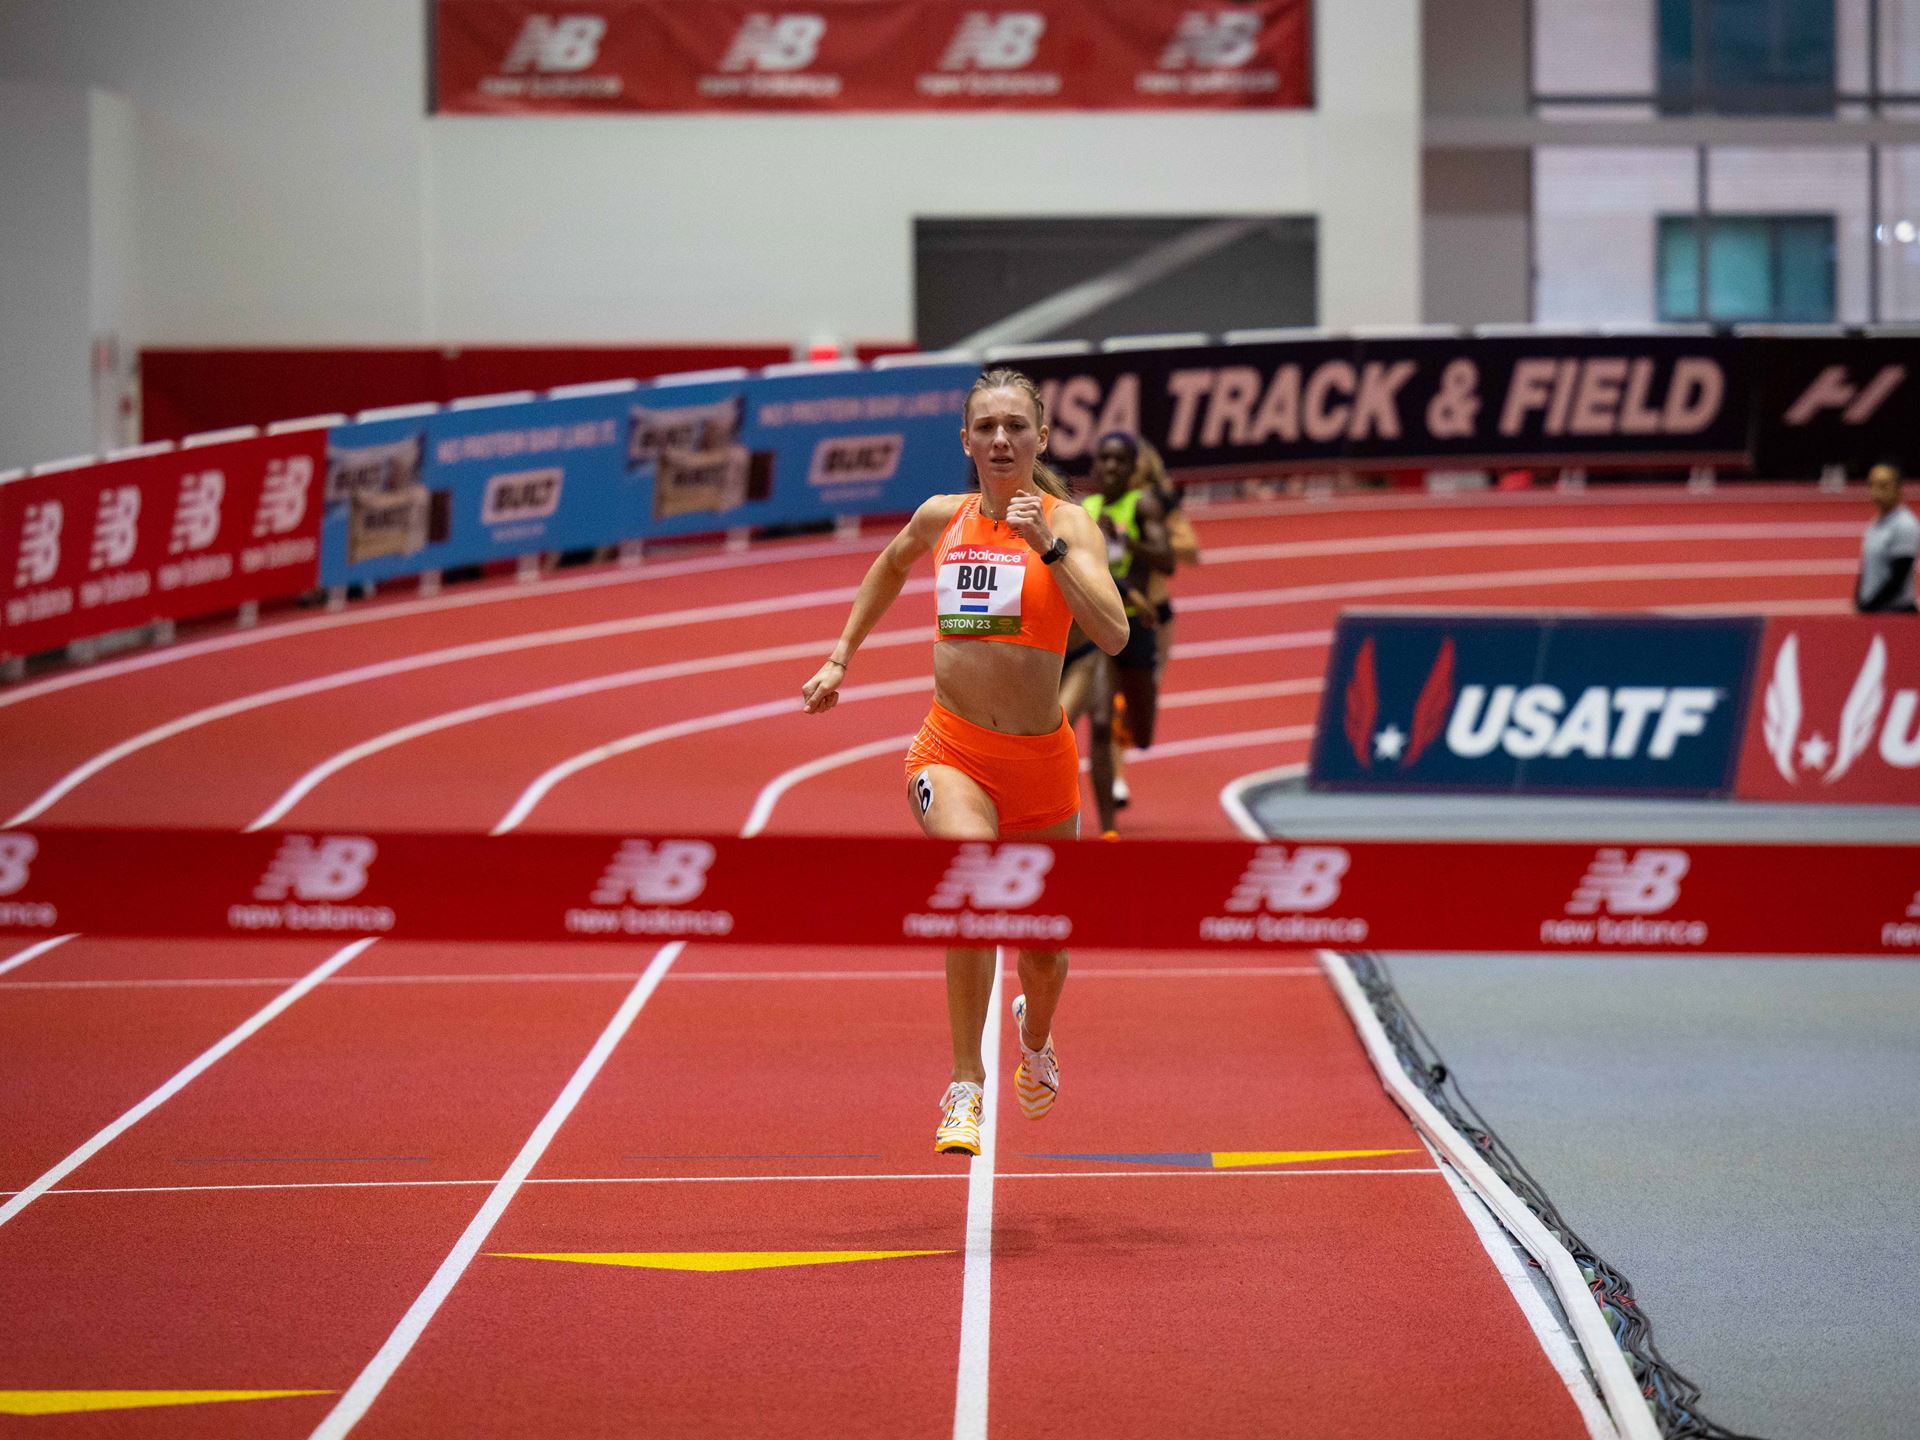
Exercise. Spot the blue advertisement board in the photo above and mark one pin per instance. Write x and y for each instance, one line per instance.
(1626, 705)
(405, 496)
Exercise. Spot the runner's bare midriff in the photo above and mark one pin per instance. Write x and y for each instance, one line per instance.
(1014, 689)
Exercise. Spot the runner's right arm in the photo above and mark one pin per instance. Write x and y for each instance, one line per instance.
(878, 591)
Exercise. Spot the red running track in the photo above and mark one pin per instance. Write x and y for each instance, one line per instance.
(272, 1224)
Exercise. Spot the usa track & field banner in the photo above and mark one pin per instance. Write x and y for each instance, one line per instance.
(1152, 895)
(518, 57)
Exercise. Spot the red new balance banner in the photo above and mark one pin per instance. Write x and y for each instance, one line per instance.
(523, 57)
(1835, 713)
(1172, 895)
(163, 537)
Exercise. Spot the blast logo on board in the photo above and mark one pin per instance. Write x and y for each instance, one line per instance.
(642, 887)
(1279, 895)
(305, 883)
(982, 884)
(845, 460)
(17, 853)
(1634, 886)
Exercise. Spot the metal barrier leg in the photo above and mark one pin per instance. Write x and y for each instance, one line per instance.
(14, 670)
(528, 569)
(336, 597)
(1700, 480)
(429, 584)
(846, 527)
(1833, 478)
(249, 615)
(162, 633)
(737, 539)
(631, 552)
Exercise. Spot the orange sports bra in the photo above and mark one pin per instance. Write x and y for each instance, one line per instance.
(989, 584)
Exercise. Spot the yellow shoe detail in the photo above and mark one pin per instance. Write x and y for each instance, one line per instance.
(74, 1402)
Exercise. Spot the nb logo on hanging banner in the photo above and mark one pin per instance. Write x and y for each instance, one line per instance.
(1009, 41)
(1213, 40)
(333, 868)
(16, 860)
(996, 879)
(283, 499)
(563, 45)
(777, 43)
(1645, 883)
(1308, 879)
(196, 515)
(39, 544)
(116, 527)
(642, 874)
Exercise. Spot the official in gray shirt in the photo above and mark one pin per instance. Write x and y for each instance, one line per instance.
(1887, 552)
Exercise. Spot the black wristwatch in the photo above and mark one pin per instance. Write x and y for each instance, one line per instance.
(1053, 552)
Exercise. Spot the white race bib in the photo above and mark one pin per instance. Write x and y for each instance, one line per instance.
(977, 590)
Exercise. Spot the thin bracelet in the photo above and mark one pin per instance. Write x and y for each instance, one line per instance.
(841, 663)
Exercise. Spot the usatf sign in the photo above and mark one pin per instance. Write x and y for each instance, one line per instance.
(1586, 705)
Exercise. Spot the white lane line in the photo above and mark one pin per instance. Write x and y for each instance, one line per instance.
(627, 977)
(976, 1285)
(32, 952)
(552, 694)
(1530, 538)
(697, 725)
(179, 1082)
(367, 1385)
(1629, 497)
(1201, 744)
(407, 664)
(407, 609)
(771, 793)
(1177, 1172)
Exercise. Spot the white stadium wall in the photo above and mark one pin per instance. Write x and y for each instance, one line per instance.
(293, 191)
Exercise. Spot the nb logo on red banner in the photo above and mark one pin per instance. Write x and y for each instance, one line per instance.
(39, 544)
(196, 515)
(333, 868)
(641, 874)
(1008, 41)
(116, 527)
(1309, 879)
(283, 498)
(1645, 884)
(1009, 878)
(16, 860)
(777, 43)
(556, 45)
(1213, 40)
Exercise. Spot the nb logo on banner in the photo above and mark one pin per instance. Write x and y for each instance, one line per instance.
(39, 544)
(116, 527)
(563, 45)
(1212, 40)
(1646, 883)
(779, 43)
(1005, 42)
(641, 874)
(986, 878)
(334, 868)
(1859, 719)
(283, 498)
(1307, 880)
(16, 856)
(196, 515)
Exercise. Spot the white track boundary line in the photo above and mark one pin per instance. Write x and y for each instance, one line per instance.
(1174, 1173)
(408, 609)
(1531, 538)
(207, 1059)
(1626, 1406)
(32, 952)
(771, 793)
(976, 1286)
(367, 1386)
(1233, 797)
(679, 729)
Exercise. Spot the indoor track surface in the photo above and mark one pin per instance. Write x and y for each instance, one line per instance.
(298, 1188)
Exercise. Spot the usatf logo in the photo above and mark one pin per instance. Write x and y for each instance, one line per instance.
(556, 45)
(1859, 720)
(781, 44)
(306, 882)
(17, 853)
(1008, 41)
(116, 527)
(196, 515)
(643, 885)
(990, 878)
(1646, 882)
(283, 498)
(39, 554)
(1213, 40)
(856, 460)
(1278, 897)
(1390, 742)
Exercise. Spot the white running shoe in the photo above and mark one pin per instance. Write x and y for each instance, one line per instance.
(959, 1132)
(1122, 796)
(1037, 1081)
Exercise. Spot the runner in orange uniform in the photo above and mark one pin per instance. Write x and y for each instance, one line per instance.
(1015, 564)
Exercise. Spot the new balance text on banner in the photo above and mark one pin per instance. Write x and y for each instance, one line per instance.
(1835, 713)
(771, 890)
(1263, 407)
(465, 487)
(1576, 705)
(527, 57)
(161, 537)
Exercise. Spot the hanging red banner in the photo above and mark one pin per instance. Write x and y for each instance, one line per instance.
(519, 57)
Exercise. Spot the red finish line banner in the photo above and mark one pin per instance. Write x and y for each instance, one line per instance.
(163, 537)
(517, 57)
(1168, 895)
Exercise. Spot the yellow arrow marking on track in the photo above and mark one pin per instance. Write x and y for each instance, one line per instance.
(1228, 1159)
(70, 1402)
(721, 1259)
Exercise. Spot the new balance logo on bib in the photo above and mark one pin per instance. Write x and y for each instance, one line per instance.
(978, 589)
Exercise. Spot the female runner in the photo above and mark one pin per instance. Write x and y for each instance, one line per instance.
(1015, 565)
